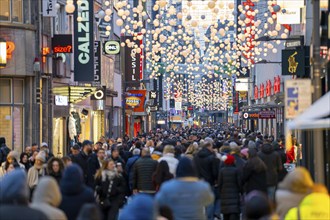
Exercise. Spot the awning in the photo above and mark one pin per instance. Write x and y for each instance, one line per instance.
(75, 93)
(316, 116)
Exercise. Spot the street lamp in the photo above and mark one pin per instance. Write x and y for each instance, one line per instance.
(3, 53)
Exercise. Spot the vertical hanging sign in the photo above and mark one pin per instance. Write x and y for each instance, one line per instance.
(132, 63)
(49, 8)
(97, 61)
(83, 41)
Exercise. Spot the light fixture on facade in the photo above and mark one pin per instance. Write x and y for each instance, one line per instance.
(69, 7)
(36, 65)
(3, 53)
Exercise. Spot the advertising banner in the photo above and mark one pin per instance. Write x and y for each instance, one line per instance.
(267, 115)
(293, 62)
(62, 43)
(298, 96)
(132, 63)
(84, 41)
(136, 100)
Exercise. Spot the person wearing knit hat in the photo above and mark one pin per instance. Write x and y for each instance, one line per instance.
(38, 170)
(230, 187)
(186, 187)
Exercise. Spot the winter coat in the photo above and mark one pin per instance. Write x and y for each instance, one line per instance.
(230, 188)
(47, 198)
(129, 169)
(273, 163)
(207, 166)
(186, 198)
(314, 206)
(171, 161)
(33, 176)
(281, 152)
(118, 189)
(93, 166)
(74, 192)
(13, 197)
(286, 200)
(253, 180)
(82, 160)
(142, 174)
(239, 162)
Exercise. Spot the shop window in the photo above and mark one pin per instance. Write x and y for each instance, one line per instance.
(5, 93)
(17, 11)
(4, 10)
(18, 91)
(6, 123)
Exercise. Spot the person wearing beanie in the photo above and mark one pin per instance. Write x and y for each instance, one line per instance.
(74, 191)
(141, 207)
(14, 198)
(176, 193)
(257, 206)
(38, 170)
(229, 181)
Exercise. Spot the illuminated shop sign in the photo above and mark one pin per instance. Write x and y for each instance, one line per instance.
(62, 43)
(133, 101)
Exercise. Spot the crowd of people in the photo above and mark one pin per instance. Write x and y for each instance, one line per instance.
(204, 173)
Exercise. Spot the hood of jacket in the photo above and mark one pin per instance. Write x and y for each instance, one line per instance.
(48, 192)
(204, 152)
(72, 181)
(142, 206)
(13, 188)
(267, 148)
(298, 181)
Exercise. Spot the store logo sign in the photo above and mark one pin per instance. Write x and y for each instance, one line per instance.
(99, 94)
(48, 8)
(250, 115)
(61, 100)
(133, 101)
(111, 47)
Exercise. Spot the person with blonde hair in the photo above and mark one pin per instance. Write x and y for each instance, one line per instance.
(291, 191)
(110, 188)
(314, 206)
(168, 156)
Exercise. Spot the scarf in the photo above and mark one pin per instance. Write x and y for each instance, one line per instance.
(108, 174)
(33, 176)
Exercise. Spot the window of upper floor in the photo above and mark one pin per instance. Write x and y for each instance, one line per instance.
(15, 11)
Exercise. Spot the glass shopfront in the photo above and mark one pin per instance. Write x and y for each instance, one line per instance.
(12, 112)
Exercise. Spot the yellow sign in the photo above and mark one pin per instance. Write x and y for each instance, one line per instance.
(292, 63)
(133, 101)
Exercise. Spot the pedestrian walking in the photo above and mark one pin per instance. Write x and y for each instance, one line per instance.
(274, 166)
(14, 198)
(55, 169)
(254, 173)
(230, 189)
(129, 167)
(110, 187)
(186, 195)
(36, 172)
(162, 174)
(82, 158)
(74, 191)
(143, 170)
(168, 156)
(24, 160)
(47, 197)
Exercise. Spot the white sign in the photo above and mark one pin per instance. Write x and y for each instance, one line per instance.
(298, 96)
(242, 85)
(291, 16)
(291, 3)
(49, 8)
(61, 100)
(178, 106)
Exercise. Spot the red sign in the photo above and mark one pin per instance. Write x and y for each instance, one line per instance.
(268, 88)
(262, 90)
(277, 84)
(136, 99)
(267, 114)
(256, 92)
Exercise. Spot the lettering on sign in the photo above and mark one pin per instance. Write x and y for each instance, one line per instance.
(62, 43)
(84, 41)
(133, 101)
(111, 47)
(48, 8)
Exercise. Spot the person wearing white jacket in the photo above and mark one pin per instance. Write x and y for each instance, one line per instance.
(168, 156)
(47, 197)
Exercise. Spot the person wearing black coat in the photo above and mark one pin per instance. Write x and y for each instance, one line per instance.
(230, 188)
(110, 187)
(94, 163)
(274, 166)
(254, 173)
(280, 150)
(82, 158)
(74, 192)
(207, 164)
(55, 168)
(142, 174)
